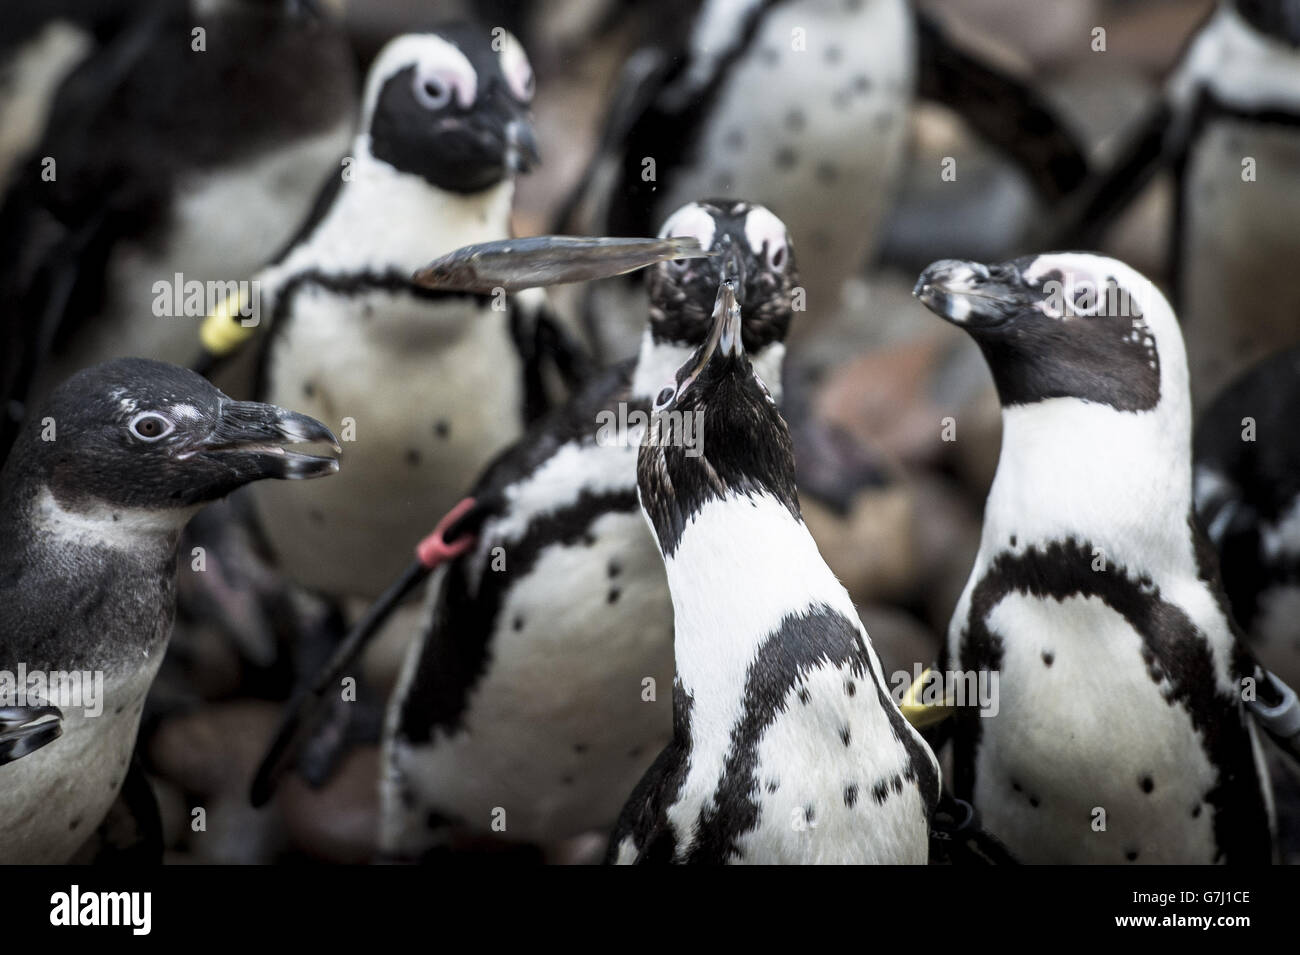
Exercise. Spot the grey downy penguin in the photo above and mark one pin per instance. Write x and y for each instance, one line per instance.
(1121, 731)
(787, 746)
(92, 504)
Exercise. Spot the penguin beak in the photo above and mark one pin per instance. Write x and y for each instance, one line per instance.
(249, 437)
(521, 145)
(970, 294)
(733, 272)
(725, 337)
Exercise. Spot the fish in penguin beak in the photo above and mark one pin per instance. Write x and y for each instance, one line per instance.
(544, 260)
(972, 295)
(249, 438)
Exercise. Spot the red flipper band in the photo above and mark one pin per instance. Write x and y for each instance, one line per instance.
(433, 550)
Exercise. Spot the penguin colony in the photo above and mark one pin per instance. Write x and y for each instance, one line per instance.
(618, 637)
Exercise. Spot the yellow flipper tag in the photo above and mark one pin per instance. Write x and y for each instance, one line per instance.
(223, 330)
(919, 714)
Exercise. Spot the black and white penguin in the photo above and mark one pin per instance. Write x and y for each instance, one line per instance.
(1117, 730)
(787, 747)
(801, 105)
(159, 160)
(425, 386)
(538, 686)
(1247, 483)
(1228, 126)
(92, 503)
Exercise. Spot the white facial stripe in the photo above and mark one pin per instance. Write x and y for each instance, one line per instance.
(431, 56)
(516, 68)
(693, 221)
(100, 525)
(762, 227)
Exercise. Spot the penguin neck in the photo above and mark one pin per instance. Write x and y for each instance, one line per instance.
(1119, 481)
(742, 566)
(399, 221)
(658, 361)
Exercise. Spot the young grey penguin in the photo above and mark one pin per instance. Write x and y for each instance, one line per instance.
(1228, 126)
(425, 386)
(787, 747)
(1120, 732)
(190, 143)
(536, 694)
(92, 503)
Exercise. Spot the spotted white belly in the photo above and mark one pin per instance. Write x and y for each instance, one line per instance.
(1086, 734)
(421, 394)
(558, 732)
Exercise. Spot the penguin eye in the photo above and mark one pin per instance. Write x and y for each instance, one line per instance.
(665, 396)
(777, 257)
(150, 426)
(433, 92)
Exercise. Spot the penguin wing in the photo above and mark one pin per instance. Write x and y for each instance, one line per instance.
(25, 729)
(1002, 108)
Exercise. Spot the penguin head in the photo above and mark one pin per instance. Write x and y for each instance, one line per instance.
(142, 434)
(754, 252)
(452, 107)
(1064, 325)
(1279, 19)
(715, 431)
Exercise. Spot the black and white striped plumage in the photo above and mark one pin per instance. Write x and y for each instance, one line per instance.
(90, 515)
(1093, 596)
(166, 159)
(525, 690)
(787, 747)
(433, 381)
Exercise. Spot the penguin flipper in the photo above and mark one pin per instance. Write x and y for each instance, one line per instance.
(1003, 109)
(1157, 141)
(310, 709)
(25, 729)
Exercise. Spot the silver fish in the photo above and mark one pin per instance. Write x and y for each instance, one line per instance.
(516, 264)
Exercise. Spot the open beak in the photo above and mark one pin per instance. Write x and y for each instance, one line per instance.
(970, 294)
(249, 438)
(725, 338)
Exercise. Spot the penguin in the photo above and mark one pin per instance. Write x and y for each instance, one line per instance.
(787, 747)
(1227, 125)
(425, 386)
(183, 150)
(535, 694)
(1117, 730)
(802, 105)
(1247, 483)
(92, 503)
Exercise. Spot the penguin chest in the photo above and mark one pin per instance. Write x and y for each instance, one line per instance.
(57, 796)
(421, 395)
(223, 224)
(811, 121)
(1239, 298)
(825, 779)
(575, 701)
(1085, 756)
